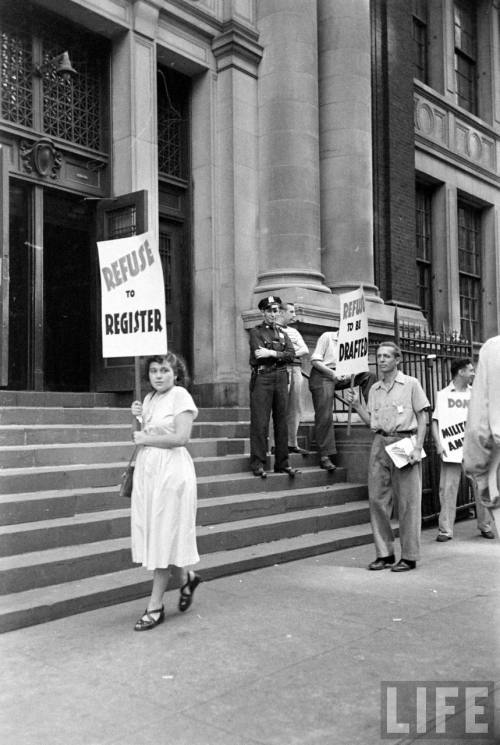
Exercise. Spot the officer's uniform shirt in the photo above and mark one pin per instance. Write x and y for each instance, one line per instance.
(394, 408)
(270, 337)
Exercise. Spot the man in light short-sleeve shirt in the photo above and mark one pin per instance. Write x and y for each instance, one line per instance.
(323, 382)
(396, 409)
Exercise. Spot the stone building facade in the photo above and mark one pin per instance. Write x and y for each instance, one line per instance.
(293, 147)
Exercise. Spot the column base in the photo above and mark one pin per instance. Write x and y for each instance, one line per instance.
(268, 283)
(370, 291)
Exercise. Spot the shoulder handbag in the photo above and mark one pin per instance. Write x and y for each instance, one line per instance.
(127, 477)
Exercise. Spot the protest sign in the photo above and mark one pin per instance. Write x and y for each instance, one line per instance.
(451, 413)
(352, 355)
(132, 297)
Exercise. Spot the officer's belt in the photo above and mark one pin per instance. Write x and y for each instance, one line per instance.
(261, 369)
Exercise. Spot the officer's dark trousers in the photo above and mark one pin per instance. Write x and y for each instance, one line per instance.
(269, 394)
(322, 391)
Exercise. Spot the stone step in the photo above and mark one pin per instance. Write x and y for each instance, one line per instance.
(57, 398)
(241, 483)
(48, 505)
(25, 507)
(101, 415)
(34, 569)
(50, 602)
(33, 456)
(53, 434)
(44, 478)
(40, 535)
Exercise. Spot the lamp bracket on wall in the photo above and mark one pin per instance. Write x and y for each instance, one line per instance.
(61, 65)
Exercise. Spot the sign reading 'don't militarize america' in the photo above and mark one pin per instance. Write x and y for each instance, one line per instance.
(352, 352)
(133, 297)
(451, 412)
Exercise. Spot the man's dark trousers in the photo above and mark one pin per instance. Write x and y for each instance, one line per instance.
(269, 394)
(323, 392)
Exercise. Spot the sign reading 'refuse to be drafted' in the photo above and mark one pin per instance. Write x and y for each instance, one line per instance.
(132, 297)
(353, 334)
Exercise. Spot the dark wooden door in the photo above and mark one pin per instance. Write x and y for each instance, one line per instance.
(120, 217)
(176, 272)
(4, 266)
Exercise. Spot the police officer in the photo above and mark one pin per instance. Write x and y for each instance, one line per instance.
(270, 352)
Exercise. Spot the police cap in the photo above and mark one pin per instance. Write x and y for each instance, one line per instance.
(267, 302)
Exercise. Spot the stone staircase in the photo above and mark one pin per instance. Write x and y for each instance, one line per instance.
(64, 531)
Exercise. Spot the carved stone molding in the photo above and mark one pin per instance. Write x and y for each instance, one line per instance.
(41, 157)
(447, 127)
(431, 120)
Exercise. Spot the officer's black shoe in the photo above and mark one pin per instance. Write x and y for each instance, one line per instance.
(260, 472)
(289, 470)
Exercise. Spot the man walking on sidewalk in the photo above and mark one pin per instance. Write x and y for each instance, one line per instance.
(448, 425)
(396, 409)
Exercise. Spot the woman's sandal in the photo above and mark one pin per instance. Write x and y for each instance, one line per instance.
(186, 598)
(146, 621)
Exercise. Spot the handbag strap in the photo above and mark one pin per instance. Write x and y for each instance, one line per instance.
(133, 456)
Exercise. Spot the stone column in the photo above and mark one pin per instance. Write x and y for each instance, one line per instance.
(133, 102)
(225, 208)
(289, 226)
(346, 144)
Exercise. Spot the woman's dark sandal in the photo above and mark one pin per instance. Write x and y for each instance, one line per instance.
(146, 621)
(186, 598)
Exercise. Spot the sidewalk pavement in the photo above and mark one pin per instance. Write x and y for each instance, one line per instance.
(293, 654)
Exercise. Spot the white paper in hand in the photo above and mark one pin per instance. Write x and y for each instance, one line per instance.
(399, 451)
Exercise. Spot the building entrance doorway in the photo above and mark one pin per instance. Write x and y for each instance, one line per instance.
(49, 299)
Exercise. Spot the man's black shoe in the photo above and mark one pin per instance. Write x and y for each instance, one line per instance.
(296, 449)
(442, 537)
(260, 472)
(404, 565)
(487, 534)
(327, 464)
(289, 470)
(383, 562)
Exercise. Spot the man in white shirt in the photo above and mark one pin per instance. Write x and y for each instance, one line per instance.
(322, 383)
(482, 433)
(448, 427)
(294, 368)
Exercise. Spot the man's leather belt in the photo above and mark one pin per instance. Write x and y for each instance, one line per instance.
(399, 433)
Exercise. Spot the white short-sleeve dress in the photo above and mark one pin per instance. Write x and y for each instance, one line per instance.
(163, 510)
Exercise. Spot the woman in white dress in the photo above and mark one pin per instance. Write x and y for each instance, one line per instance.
(163, 507)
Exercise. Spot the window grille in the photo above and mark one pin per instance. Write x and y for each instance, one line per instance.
(70, 110)
(465, 55)
(173, 96)
(122, 222)
(469, 265)
(16, 72)
(424, 252)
